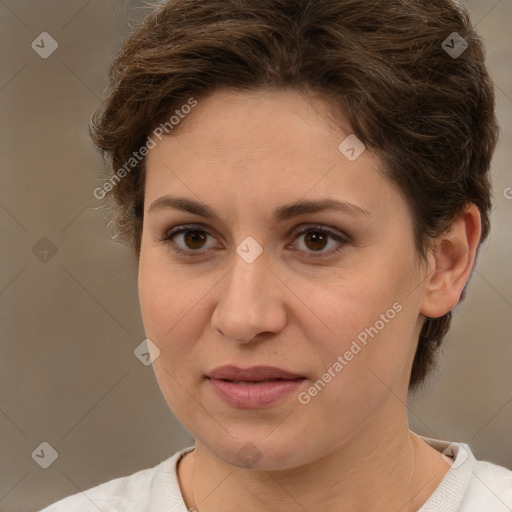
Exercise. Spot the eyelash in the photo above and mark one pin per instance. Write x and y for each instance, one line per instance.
(295, 233)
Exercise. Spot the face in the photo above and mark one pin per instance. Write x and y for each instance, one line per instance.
(331, 295)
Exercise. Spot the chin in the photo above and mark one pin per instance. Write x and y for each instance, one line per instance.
(260, 452)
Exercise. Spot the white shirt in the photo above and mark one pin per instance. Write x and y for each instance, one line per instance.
(469, 486)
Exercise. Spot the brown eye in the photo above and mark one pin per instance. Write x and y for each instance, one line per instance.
(188, 240)
(316, 240)
(194, 239)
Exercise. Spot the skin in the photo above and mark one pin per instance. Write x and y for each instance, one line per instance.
(349, 448)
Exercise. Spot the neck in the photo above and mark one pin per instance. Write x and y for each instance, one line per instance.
(376, 470)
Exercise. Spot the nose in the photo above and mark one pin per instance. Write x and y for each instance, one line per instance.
(250, 303)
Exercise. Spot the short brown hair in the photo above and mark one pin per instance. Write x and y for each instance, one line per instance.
(427, 113)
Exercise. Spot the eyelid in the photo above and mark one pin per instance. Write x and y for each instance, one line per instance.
(303, 228)
(183, 228)
(338, 236)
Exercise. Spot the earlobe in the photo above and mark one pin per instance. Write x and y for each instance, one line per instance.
(451, 262)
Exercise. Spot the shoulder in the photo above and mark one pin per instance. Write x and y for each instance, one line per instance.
(470, 485)
(147, 489)
(490, 488)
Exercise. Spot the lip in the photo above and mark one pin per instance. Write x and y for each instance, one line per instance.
(253, 374)
(269, 385)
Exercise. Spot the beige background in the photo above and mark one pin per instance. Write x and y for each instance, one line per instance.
(69, 325)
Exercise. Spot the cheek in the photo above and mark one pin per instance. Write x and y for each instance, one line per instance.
(174, 310)
(360, 367)
(171, 317)
(162, 299)
(367, 319)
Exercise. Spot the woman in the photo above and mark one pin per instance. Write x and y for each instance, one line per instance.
(305, 184)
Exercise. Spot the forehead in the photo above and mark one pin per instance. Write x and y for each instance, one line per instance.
(255, 121)
(264, 146)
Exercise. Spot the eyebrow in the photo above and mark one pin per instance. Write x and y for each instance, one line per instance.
(281, 213)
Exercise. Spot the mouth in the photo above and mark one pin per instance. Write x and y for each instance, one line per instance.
(253, 382)
(251, 375)
(253, 388)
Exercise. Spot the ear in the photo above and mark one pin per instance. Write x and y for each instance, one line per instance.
(451, 261)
